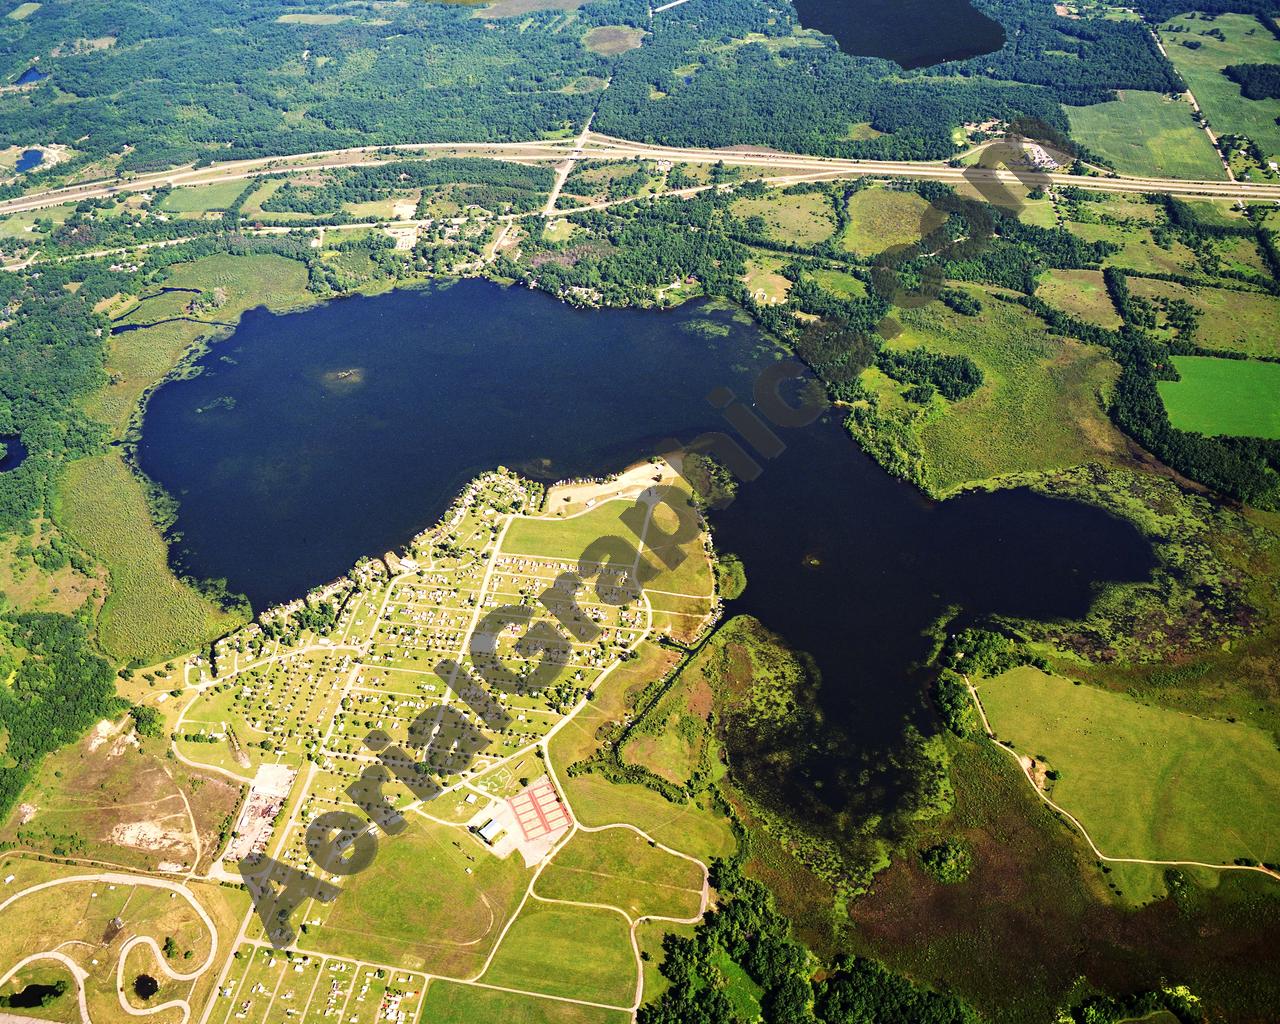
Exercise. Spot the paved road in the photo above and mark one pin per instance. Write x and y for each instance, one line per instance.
(594, 145)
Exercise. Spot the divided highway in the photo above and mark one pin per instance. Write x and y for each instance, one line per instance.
(593, 145)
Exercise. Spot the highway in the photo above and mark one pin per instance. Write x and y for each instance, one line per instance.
(596, 146)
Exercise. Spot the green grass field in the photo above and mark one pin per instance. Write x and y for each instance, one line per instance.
(1146, 133)
(1237, 397)
(880, 218)
(1146, 782)
(1247, 42)
(1138, 249)
(441, 920)
(619, 868)
(1081, 293)
(690, 828)
(451, 1003)
(23, 11)
(840, 284)
(567, 538)
(202, 198)
(804, 219)
(575, 952)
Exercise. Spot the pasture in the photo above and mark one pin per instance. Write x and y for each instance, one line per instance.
(1145, 781)
(1146, 133)
(203, 198)
(1235, 397)
(1246, 42)
(1038, 407)
(23, 11)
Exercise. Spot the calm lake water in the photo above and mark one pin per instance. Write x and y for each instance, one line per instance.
(313, 438)
(12, 452)
(914, 33)
(29, 159)
(32, 74)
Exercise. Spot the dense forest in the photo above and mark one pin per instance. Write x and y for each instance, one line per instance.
(709, 73)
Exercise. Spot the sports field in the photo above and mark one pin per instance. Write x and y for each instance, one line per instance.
(1144, 781)
(1236, 397)
(1146, 133)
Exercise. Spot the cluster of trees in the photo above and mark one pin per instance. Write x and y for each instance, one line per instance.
(801, 98)
(1256, 81)
(748, 931)
(636, 249)
(953, 377)
(949, 861)
(47, 996)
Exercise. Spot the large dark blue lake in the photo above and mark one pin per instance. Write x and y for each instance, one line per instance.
(309, 439)
(914, 33)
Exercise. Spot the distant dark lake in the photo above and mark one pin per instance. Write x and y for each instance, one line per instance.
(12, 452)
(28, 159)
(313, 438)
(914, 33)
(32, 74)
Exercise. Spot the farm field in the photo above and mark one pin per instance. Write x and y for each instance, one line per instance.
(202, 198)
(1145, 133)
(1146, 782)
(1246, 42)
(1237, 397)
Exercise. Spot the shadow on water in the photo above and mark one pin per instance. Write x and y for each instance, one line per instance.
(343, 430)
(914, 33)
